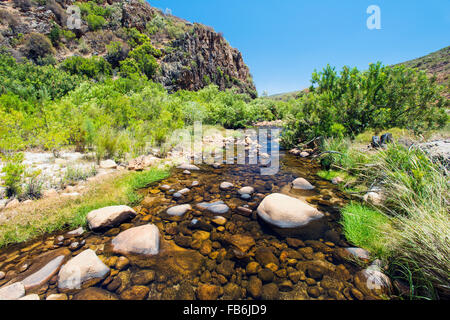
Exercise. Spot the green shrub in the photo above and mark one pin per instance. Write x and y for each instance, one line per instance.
(95, 22)
(94, 67)
(76, 174)
(37, 46)
(13, 171)
(116, 52)
(351, 102)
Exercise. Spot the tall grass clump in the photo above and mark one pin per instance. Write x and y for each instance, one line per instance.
(417, 193)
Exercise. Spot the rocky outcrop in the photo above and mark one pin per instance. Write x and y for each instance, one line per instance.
(202, 57)
(193, 55)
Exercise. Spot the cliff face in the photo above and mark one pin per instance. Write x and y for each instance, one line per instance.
(193, 55)
(203, 56)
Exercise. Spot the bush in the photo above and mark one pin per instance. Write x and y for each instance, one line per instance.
(116, 52)
(95, 67)
(351, 102)
(75, 174)
(37, 46)
(24, 5)
(95, 22)
(14, 173)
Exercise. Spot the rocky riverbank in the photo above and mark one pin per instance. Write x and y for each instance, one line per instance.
(215, 232)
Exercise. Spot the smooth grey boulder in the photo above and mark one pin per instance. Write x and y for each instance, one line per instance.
(83, 270)
(109, 217)
(143, 240)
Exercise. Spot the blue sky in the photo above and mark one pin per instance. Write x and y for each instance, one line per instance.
(284, 41)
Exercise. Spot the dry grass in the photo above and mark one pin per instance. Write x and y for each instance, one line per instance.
(55, 213)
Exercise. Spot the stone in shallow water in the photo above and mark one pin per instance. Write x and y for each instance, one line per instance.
(12, 292)
(226, 185)
(57, 296)
(246, 197)
(43, 268)
(76, 232)
(246, 190)
(32, 296)
(84, 270)
(95, 294)
(372, 281)
(208, 292)
(143, 240)
(217, 207)
(190, 167)
(241, 242)
(109, 216)
(302, 184)
(219, 220)
(291, 216)
(179, 210)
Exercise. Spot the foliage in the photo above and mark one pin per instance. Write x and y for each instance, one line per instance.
(37, 46)
(13, 171)
(95, 67)
(367, 228)
(95, 22)
(75, 174)
(116, 52)
(352, 101)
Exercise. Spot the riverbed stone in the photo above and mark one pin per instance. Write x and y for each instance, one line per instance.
(57, 296)
(82, 271)
(12, 292)
(109, 216)
(95, 294)
(143, 240)
(180, 210)
(135, 293)
(32, 296)
(216, 207)
(226, 268)
(255, 287)
(226, 185)
(291, 216)
(302, 184)
(241, 242)
(143, 277)
(371, 281)
(208, 292)
(44, 268)
(187, 166)
(270, 291)
(246, 190)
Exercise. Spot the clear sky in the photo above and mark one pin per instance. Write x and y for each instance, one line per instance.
(284, 41)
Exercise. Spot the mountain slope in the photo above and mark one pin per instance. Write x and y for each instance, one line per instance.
(191, 57)
(436, 63)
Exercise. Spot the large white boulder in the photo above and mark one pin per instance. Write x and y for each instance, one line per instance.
(302, 184)
(109, 216)
(143, 240)
(12, 292)
(285, 212)
(83, 270)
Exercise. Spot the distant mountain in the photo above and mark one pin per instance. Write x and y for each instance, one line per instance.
(434, 64)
